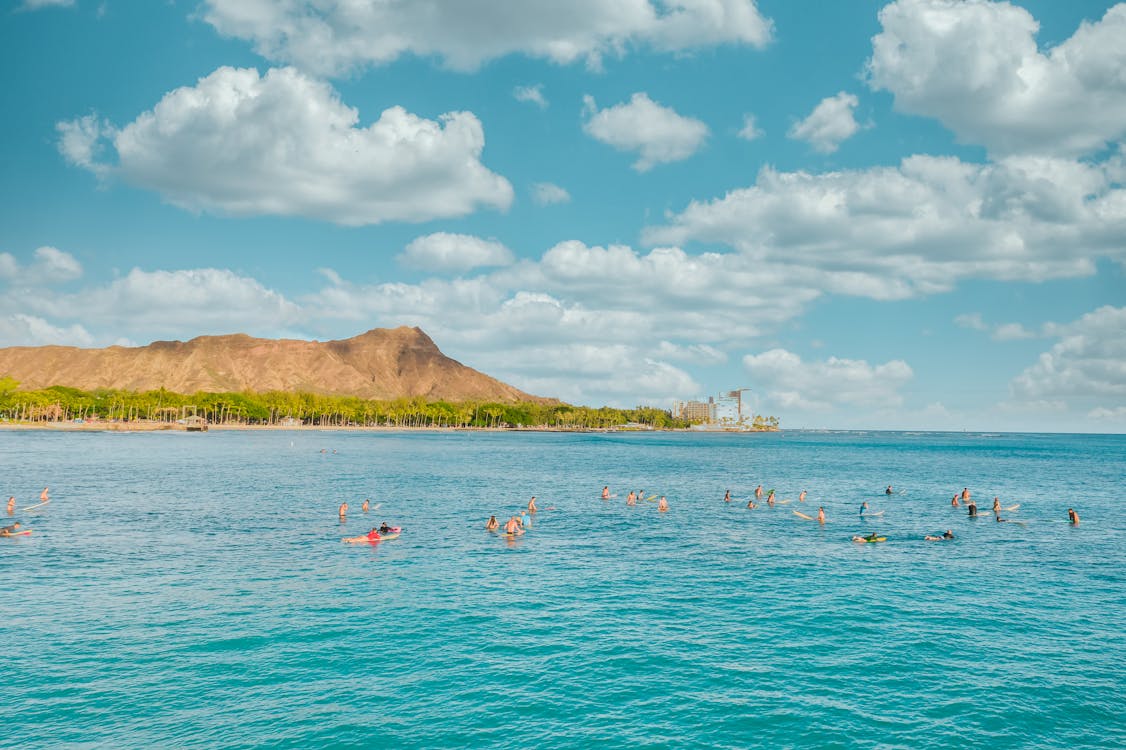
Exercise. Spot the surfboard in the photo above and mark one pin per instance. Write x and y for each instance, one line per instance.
(872, 513)
(37, 505)
(22, 532)
(864, 540)
(803, 515)
(651, 498)
(1013, 507)
(365, 540)
(783, 502)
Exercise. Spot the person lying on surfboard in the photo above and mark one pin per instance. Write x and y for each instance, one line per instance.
(948, 534)
(10, 530)
(873, 537)
(371, 536)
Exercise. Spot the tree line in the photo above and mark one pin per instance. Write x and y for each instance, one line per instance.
(60, 403)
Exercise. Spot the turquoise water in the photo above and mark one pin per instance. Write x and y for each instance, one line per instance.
(191, 591)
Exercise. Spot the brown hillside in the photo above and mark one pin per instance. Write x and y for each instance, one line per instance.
(382, 363)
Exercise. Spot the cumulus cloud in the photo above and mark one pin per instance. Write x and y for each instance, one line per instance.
(750, 129)
(919, 228)
(657, 133)
(329, 37)
(50, 266)
(442, 251)
(531, 94)
(546, 194)
(284, 144)
(976, 67)
(829, 124)
(28, 330)
(821, 386)
(1087, 364)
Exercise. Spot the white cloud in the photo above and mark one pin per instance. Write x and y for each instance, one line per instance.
(659, 134)
(695, 353)
(975, 66)
(284, 144)
(51, 266)
(919, 228)
(822, 386)
(331, 37)
(1087, 364)
(999, 332)
(546, 194)
(28, 330)
(454, 252)
(829, 124)
(531, 94)
(971, 320)
(1117, 414)
(750, 129)
(37, 4)
(80, 142)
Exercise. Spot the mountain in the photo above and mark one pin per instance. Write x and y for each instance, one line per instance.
(382, 363)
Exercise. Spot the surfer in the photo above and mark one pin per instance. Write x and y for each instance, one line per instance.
(727, 496)
(343, 510)
(365, 506)
(11, 505)
(758, 492)
(948, 534)
(889, 490)
(954, 501)
(821, 515)
(1072, 517)
(532, 504)
(863, 507)
(662, 504)
(873, 537)
(371, 536)
(801, 497)
(385, 529)
(492, 524)
(971, 509)
(996, 505)
(10, 530)
(606, 492)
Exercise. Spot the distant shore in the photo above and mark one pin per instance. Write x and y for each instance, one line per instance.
(142, 426)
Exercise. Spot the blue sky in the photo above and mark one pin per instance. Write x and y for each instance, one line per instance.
(902, 214)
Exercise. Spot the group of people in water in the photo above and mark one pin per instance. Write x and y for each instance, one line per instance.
(14, 529)
(516, 525)
(633, 497)
(381, 533)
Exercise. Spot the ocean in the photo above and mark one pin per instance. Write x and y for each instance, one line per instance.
(191, 590)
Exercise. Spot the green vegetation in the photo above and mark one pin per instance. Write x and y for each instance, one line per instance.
(59, 403)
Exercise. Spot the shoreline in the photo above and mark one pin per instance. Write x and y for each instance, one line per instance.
(166, 427)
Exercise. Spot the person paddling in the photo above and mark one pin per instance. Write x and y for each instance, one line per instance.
(10, 530)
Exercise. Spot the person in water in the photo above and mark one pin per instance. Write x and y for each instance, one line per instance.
(10, 530)
(492, 524)
(532, 504)
(821, 514)
(631, 500)
(43, 496)
(1072, 517)
(965, 493)
(371, 536)
(727, 496)
(801, 497)
(863, 508)
(946, 536)
(888, 491)
(513, 527)
(751, 504)
(873, 537)
(385, 529)
(11, 505)
(770, 499)
(662, 504)
(365, 506)
(954, 501)
(606, 492)
(343, 510)
(525, 520)
(971, 509)
(758, 492)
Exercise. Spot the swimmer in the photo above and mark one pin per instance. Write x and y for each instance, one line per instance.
(801, 497)
(1072, 517)
(996, 505)
(662, 504)
(606, 492)
(821, 515)
(863, 507)
(11, 505)
(492, 524)
(751, 505)
(513, 527)
(343, 510)
(889, 490)
(532, 504)
(365, 506)
(727, 496)
(10, 530)
(947, 535)
(954, 501)
(965, 493)
(758, 492)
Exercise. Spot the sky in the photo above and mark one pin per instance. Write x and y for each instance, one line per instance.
(874, 215)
